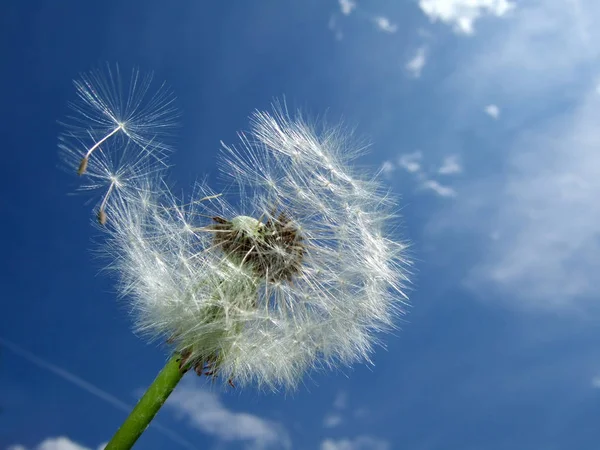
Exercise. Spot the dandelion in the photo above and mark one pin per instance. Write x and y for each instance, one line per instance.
(300, 273)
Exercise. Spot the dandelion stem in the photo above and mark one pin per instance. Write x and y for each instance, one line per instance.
(139, 419)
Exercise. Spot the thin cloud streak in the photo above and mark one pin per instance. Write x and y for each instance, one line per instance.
(88, 387)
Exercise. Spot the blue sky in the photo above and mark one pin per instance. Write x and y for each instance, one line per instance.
(482, 115)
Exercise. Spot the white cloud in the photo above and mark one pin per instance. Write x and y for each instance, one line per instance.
(346, 6)
(335, 28)
(359, 443)
(205, 411)
(442, 191)
(387, 167)
(522, 55)
(361, 413)
(548, 212)
(450, 166)
(416, 64)
(542, 208)
(57, 443)
(332, 420)
(462, 14)
(596, 382)
(492, 110)
(410, 162)
(341, 401)
(384, 24)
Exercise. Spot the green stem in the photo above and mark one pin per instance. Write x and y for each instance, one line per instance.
(148, 406)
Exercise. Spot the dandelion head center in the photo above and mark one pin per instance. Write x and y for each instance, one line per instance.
(273, 250)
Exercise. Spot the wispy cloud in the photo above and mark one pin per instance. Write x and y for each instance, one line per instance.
(335, 417)
(358, 443)
(450, 166)
(332, 420)
(347, 6)
(205, 411)
(492, 110)
(547, 215)
(360, 413)
(441, 190)
(522, 55)
(417, 62)
(387, 167)
(542, 211)
(462, 14)
(335, 28)
(57, 443)
(341, 400)
(413, 164)
(384, 24)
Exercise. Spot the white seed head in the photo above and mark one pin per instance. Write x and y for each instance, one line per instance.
(301, 272)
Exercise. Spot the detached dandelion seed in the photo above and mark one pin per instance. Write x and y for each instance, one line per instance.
(116, 136)
(108, 108)
(299, 273)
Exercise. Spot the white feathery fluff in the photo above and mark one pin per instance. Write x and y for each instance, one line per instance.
(302, 271)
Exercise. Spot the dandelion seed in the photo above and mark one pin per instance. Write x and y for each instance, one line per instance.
(109, 109)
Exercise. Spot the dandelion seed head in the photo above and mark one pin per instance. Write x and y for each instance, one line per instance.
(300, 273)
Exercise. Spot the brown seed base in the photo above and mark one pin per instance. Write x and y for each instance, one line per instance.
(277, 254)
